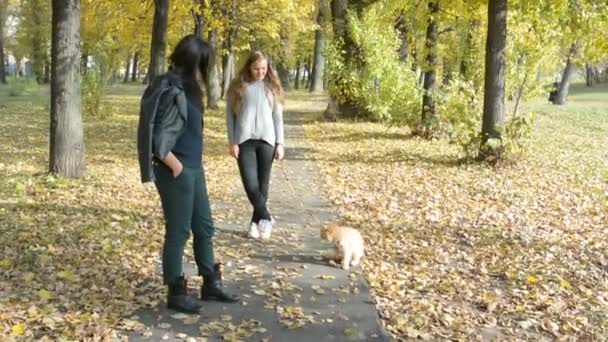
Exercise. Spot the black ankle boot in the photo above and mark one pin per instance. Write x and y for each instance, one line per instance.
(212, 287)
(178, 299)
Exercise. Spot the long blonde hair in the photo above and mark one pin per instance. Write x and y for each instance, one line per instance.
(236, 91)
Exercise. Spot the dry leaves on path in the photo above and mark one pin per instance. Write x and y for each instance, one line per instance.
(463, 250)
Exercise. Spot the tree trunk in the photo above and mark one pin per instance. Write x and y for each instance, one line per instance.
(227, 67)
(135, 66)
(214, 91)
(405, 43)
(159, 39)
(283, 72)
(47, 72)
(564, 85)
(84, 63)
(212, 84)
(494, 96)
(307, 73)
(38, 47)
(466, 51)
(127, 68)
(228, 64)
(428, 99)
(199, 18)
(318, 65)
(345, 107)
(67, 150)
(2, 70)
(588, 75)
(297, 80)
(281, 63)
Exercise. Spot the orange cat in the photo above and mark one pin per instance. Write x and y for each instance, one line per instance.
(348, 242)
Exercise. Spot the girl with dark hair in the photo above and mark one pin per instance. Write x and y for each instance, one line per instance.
(170, 154)
(254, 120)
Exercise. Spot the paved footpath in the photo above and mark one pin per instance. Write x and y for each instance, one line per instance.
(290, 293)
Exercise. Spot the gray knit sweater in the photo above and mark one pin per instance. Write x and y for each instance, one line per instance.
(257, 119)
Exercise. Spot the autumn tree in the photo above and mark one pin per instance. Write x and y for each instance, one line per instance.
(318, 65)
(67, 149)
(428, 99)
(3, 16)
(34, 34)
(159, 39)
(494, 96)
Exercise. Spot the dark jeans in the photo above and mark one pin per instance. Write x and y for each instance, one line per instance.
(255, 162)
(186, 207)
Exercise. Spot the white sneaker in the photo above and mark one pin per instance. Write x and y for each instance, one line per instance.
(253, 231)
(265, 228)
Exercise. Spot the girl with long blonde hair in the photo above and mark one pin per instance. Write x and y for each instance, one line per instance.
(254, 121)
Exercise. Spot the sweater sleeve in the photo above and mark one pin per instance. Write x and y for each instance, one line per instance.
(230, 124)
(277, 118)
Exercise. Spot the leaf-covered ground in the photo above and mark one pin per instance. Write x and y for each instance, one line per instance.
(466, 251)
(455, 250)
(76, 256)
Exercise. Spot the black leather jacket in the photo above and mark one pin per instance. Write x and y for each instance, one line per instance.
(162, 120)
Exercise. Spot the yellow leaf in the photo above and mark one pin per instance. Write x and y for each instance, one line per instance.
(45, 294)
(259, 292)
(532, 280)
(28, 276)
(350, 331)
(565, 284)
(67, 275)
(18, 329)
(6, 263)
(326, 277)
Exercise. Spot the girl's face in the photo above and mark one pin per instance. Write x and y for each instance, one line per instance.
(259, 69)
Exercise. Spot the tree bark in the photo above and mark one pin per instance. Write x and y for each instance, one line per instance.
(466, 51)
(318, 65)
(306, 75)
(405, 43)
(199, 18)
(345, 107)
(84, 63)
(135, 66)
(159, 39)
(213, 82)
(227, 64)
(127, 69)
(297, 77)
(67, 149)
(494, 96)
(38, 48)
(2, 70)
(428, 99)
(588, 75)
(564, 85)
(281, 63)
(47, 72)
(227, 67)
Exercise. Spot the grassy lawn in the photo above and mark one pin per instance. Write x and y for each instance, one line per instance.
(463, 251)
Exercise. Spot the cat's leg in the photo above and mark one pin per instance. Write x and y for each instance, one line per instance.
(347, 255)
(357, 254)
(338, 254)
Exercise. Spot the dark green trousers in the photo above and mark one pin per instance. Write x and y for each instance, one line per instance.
(186, 207)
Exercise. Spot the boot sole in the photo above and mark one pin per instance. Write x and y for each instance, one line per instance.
(182, 310)
(219, 299)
